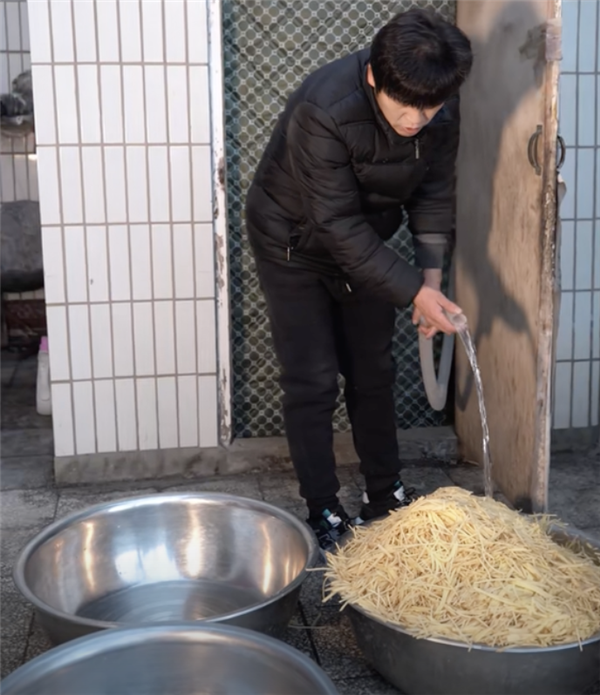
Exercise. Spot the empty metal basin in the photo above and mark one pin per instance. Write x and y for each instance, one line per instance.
(171, 660)
(176, 557)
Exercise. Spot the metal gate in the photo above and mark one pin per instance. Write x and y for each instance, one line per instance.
(269, 47)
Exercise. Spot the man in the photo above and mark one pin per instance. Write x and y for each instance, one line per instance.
(361, 139)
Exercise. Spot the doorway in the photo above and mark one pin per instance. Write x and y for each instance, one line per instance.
(269, 47)
(27, 442)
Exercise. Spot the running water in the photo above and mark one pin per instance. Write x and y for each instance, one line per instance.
(460, 322)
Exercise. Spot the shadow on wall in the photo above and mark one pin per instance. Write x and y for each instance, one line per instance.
(495, 98)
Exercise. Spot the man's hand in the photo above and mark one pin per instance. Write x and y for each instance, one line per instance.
(430, 305)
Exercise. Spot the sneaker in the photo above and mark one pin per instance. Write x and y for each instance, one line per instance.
(399, 496)
(329, 527)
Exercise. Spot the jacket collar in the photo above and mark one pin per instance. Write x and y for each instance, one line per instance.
(387, 129)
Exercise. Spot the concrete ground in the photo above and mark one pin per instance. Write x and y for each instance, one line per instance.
(29, 501)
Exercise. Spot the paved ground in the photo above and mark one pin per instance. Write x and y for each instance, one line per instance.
(29, 501)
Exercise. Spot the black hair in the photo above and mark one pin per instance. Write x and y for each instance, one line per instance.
(419, 59)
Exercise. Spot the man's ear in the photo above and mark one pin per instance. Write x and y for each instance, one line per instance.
(370, 78)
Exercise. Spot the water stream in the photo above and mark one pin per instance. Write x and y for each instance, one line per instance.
(460, 322)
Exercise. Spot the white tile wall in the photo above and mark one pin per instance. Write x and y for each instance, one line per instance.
(61, 31)
(127, 414)
(136, 183)
(62, 418)
(207, 416)
(85, 30)
(133, 93)
(175, 31)
(141, 262)
(97, 263)
(166, 396)
(124, 157)
(143, 338)
(49, 185)
(205, 260)
(131, 46)
(147, 413)
(107, 28)
(187, 390)
(101, 335)
(162, 266)
(183, 250)
(114, 176)
(56, 318)
(70, 185)
(185, 323)
(79, 341)
(76, 275)
(83, 407)
(106, 417)
(164, 337)
(65, 98)
(577, 373)
(119, 265)
(122, 328)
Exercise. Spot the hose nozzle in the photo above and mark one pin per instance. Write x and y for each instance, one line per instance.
(459, 321)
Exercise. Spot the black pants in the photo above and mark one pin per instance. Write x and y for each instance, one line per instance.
(321, 329)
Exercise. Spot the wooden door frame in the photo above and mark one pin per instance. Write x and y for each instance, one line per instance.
(220, 228)
(549, 296)
(541, 48)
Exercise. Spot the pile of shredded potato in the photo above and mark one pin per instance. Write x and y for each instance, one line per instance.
(469, 569)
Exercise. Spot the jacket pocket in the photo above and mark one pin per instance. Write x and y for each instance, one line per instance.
(298, 239)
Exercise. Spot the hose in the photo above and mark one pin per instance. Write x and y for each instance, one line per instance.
(436, 385)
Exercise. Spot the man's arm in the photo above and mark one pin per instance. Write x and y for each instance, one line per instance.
(431, 207)
(331, 197)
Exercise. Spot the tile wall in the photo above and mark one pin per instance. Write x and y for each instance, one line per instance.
(577, 377)
(122, 104)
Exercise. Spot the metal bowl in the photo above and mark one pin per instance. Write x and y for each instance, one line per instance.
(445, 667)
(176, 557)
(175, 659)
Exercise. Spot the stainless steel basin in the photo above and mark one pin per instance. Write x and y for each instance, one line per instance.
(181, 557)
(445, 667)
(171, 660)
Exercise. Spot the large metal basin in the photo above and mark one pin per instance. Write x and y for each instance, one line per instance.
(444, 667)
(176, 557)
(171, 660)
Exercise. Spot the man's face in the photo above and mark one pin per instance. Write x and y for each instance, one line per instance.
(407, 121)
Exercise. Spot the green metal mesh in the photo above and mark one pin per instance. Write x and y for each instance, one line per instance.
(269, 47)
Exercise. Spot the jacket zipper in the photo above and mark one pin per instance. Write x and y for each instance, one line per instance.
(291, 247)
(417, 149)
(295, 238)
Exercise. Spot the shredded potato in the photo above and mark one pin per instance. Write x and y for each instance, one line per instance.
(469, 569)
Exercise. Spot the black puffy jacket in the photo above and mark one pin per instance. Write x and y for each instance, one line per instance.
(335, 176)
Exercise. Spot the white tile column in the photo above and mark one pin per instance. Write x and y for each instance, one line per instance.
(577, 377)
(122, 98)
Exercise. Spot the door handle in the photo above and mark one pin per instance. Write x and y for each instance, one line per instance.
(563, 153)
(532, 147)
